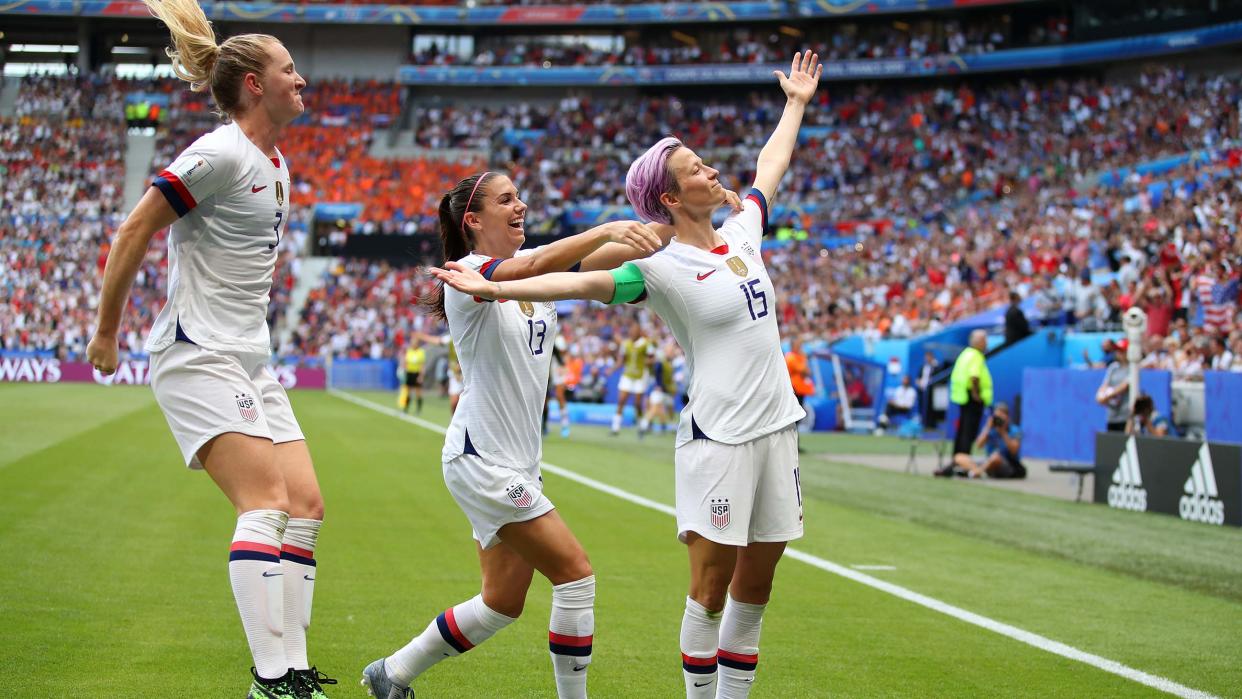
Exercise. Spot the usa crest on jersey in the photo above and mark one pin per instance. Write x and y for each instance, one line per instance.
(246, 406)
(521, 496)
(719, 510)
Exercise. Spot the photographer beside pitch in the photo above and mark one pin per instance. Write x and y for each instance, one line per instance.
(1004, 442)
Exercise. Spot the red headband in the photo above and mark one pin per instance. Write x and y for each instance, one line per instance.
(471, 200)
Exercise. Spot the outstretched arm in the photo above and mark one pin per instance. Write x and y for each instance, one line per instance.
(613, 255)
(622, 237)
(128, 248)
(558, 286)
(799, 87)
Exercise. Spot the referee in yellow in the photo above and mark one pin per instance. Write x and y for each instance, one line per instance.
(970, 386)
(415, 360)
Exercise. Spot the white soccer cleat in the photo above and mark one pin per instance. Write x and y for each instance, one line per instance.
(375, 680)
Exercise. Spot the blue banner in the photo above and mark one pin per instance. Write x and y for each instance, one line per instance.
(653, 13)
(721, 73)
(331, 211)
(1222, 398)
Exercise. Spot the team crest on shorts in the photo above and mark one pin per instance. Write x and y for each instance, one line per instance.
(735, 263)
(527, 307)
(719, 510)
(246, 406)
(521, 496)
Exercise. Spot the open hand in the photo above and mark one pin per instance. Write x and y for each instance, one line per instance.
(803, 76)
(465, 280)
(636, 235)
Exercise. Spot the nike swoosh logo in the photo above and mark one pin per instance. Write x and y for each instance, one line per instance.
(271, 575)
(705, 275)
(307, 577)
(579, 668)
(703, 684)
(256, 190)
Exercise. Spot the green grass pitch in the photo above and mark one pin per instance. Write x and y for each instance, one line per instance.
(114, 577)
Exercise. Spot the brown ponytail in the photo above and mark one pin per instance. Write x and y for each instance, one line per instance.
(457, 239)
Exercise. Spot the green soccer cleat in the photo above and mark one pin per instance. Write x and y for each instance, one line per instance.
(310, 682)
(285, 687)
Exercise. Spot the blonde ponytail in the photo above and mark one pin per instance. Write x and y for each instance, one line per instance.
(198, 60)
(194, 52)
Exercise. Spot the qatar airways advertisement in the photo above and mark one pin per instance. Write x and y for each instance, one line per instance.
(130, 372)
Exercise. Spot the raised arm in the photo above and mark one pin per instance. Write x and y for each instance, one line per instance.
(153, 213)
(624, 238)
(799, 87)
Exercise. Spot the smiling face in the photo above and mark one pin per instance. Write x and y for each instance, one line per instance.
(699, 191)
(499, 225)
(282, 86)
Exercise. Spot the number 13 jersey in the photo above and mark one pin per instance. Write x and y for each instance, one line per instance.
(233, 201)
(721, 307)
(505, 352)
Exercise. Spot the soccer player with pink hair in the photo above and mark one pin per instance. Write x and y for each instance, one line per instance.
(739, 499)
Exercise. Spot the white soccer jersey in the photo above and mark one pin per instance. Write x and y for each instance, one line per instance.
(234, 204)
(505, 352)
(721, 308)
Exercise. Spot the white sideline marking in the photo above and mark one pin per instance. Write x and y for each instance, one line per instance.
(870, 567)
(1033, 639)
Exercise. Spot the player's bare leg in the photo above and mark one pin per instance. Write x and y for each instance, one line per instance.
(742, 621)
(245, 469)
(622, 399)
(547, 544)
(297, 558)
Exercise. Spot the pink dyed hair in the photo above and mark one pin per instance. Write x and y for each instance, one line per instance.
(648, 178)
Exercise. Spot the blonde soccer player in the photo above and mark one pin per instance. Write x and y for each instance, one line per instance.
(739, 499)
(227, 200)
(493, 445)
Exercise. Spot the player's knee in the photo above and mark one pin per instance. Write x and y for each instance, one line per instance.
(307, 507)
(751, 591)
(709, 590)
(505, 603)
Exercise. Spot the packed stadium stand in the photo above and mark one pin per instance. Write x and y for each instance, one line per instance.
(913, 203)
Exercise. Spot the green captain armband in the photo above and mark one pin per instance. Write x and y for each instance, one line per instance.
(630, 284)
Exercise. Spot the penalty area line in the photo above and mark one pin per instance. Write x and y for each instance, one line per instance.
(1032, 639)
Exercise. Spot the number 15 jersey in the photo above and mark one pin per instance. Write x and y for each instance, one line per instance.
(233, 201)
(721, 307)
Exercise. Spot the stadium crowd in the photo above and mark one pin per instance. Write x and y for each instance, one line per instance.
(915, 39)
(943, 201)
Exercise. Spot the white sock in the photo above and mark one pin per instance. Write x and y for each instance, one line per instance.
(616, 422)
(570, 633)
(452, 633)
(700, 637)
(258, 587)
(643, 424)
(739, 648)
(565, 417)
(297, 562)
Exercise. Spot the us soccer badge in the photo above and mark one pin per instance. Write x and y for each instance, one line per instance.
(247, 408)
(735, 263)
(521, 496)
(719, 510)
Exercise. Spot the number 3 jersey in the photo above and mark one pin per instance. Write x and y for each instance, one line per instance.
(233, 201)
(721, 308)
(505, 352)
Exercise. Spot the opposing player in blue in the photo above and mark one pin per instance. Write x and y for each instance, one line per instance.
(227, 200)
(739, 499)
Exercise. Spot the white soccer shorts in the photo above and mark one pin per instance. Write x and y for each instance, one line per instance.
(492, 495)
(205, 393)
(635, 386)
(737, 494)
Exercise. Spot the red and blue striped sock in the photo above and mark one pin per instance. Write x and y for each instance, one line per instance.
(258, 587)
(297, 562)
(454, 632)
(739, 648)
(571, 633)
(700, 636)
